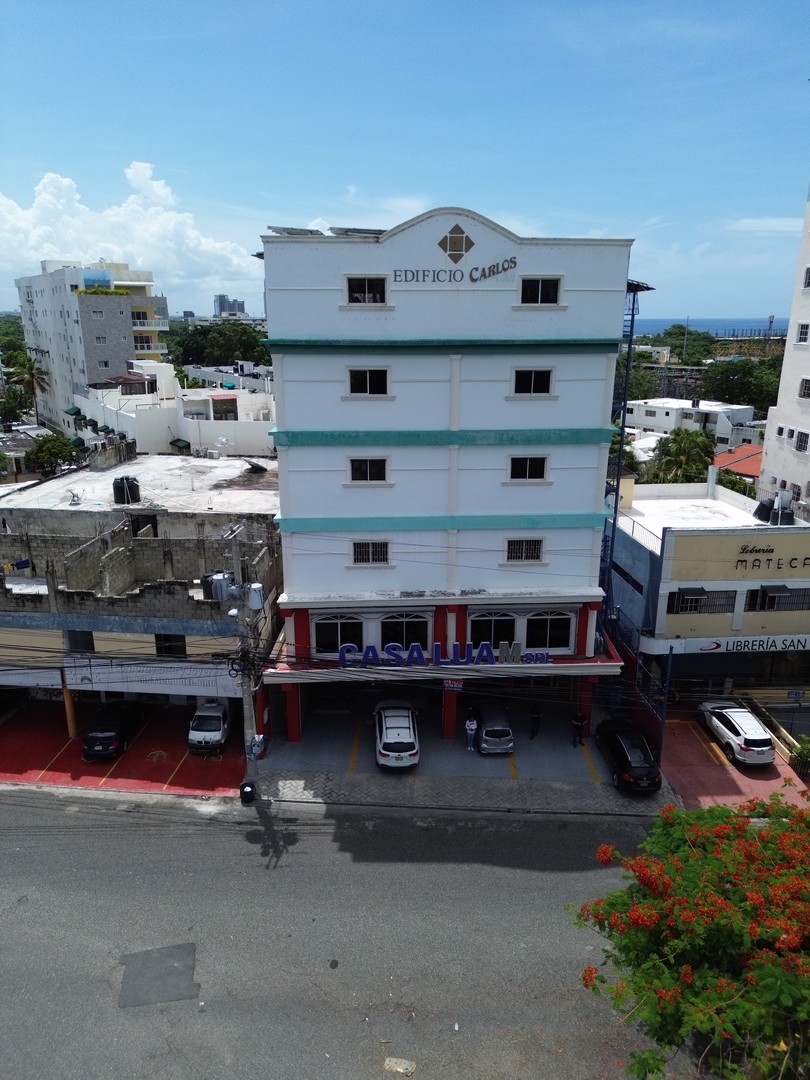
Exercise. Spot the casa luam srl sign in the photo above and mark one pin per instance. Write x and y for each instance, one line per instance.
(416, 656)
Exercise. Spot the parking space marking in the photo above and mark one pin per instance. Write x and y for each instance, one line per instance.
(53, 759)
(355, 747)
(180, 762)
(591, 767)
(513, 767)
(708, 743)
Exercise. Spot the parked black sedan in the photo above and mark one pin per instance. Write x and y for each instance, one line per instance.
(110, 734)
(632, 765)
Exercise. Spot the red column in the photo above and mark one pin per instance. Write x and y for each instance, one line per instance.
(449, 713)
(301, 630)
(440, 627)
(582, 625)
(292, 698)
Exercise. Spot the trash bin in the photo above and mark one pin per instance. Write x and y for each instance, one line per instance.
(247, 792)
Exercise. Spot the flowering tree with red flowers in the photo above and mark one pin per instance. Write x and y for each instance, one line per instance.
(708, 944)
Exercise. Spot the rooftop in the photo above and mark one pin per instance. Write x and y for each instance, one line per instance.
(686, 403)
(181, 484)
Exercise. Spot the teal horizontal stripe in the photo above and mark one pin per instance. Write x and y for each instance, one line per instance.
(424, 345)
(328, 526)
(495, 437)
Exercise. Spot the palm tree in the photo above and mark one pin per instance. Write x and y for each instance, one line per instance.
(32, 379)
(683, 457)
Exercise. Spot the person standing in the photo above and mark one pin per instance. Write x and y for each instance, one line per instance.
(535, 722)
(578, 728)
(470, 727)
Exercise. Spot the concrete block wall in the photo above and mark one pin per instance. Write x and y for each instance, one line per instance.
(117, 572)
(82, 567)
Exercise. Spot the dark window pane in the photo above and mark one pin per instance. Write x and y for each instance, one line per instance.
(549, 291)
(376, 469)
(530, 291)
(378, 382)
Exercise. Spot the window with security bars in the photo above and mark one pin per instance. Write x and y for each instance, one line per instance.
(765, 599)
(369, 551)
(802, 333)
(372, 381)
(804, 388)
(366, 290)
(532, 382)
(802, 439)
(524, 550)
(709, 603)
(527, 468)
(806, 283)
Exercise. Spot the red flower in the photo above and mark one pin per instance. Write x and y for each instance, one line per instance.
(606, 854)
(589, 977)
(687, 975)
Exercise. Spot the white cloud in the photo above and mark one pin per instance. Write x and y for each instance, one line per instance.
(765, 225)
(143, 230)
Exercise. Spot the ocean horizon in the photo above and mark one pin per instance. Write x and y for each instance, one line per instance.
(722, 327)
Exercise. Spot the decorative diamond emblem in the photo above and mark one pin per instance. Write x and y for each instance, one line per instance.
(456, 244)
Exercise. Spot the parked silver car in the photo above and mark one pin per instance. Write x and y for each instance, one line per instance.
(494, 732)
(743, 737)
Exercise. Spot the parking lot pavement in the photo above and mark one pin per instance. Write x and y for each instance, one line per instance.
(699, 772)
(335, 763)
(36, 749)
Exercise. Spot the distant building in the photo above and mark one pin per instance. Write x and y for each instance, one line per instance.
(786, 455)
(86, 324)
(716, 418)
(223, 305)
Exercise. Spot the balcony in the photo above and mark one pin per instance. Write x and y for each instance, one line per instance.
(150, 324)
(155, 347)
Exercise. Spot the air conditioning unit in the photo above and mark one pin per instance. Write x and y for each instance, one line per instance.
(213, 453)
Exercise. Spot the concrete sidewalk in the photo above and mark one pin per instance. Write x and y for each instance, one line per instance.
(415, 791)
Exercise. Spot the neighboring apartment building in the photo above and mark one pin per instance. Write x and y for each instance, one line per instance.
(786, 454)
(86, 324)
(136, 580)
(705, 587)
(443, 397)
(727, 424)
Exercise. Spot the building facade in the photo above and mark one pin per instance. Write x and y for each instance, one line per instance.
(443, 395)
(727, 424)
(86, 324)
(786, 453)
(707, 594)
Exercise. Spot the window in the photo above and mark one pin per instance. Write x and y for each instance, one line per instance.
(777, 598)
(802, 333)
(687, 416)
(366, 290)
(790, 432)
(368, 381)
(104, 363)
(524, 550)
(170, 645)
(101, 339)
(630, 410)
(804, 388)
(369, 551)
(802, 439)
(368, 470)
(492, 627)
(540, 290)
(405, 629)
(144, 343)
(74, 288)
(532, 382)
(650, 412)
(549, 630)
(527, 468)
(806, 284)
(699, 601)
(723, 441)
(780, 431)
(796, 491)
(332, 631)
(97, 314)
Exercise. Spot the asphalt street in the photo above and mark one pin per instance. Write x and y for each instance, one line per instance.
(173, 939)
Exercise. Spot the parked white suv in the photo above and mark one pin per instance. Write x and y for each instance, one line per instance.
(209, 727)
(396, 735)
(743, 737)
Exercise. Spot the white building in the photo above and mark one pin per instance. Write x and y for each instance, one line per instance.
(443, 396)
(86, 324)
(786, 454)
(725, 423)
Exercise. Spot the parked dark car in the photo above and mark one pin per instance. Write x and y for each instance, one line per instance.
(110, 733)
(632, 765)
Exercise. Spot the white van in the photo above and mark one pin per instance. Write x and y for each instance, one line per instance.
(209, 727)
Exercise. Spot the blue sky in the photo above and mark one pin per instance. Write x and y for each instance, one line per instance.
(171, 133)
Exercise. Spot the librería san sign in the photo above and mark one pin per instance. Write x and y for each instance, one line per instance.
(453, 276)
(415, 655)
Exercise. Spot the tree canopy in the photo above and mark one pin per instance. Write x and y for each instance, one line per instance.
(708, 944)
(683, 457)
(690, 346)
(221, 345)
(744, 382)
(29, 376)
(49, 452)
